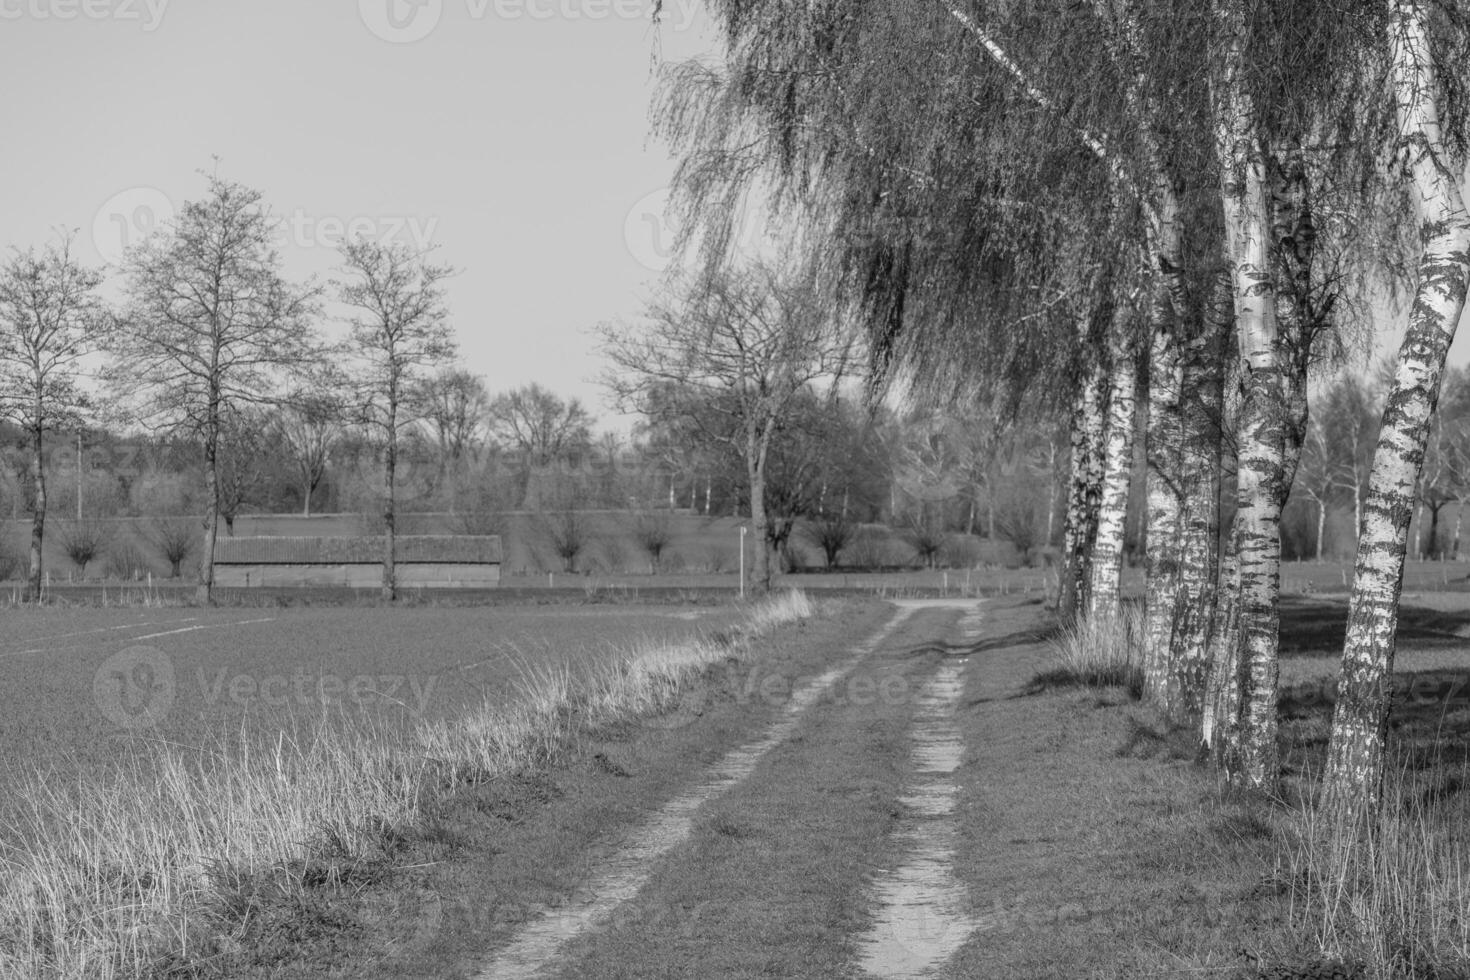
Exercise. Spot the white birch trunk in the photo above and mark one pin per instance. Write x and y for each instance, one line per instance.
(1106, 570)
(1352, 782)
(1256, 532)
(1089, 424)
(1165, 450)
(1199, 558)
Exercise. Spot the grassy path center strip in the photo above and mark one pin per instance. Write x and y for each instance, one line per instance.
(619, 878)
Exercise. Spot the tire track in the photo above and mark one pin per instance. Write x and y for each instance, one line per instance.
(920, 908)
(619, 877)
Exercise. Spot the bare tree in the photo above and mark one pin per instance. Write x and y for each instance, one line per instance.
(50, 319)
(209, 325)
(748, 341)
(544, 429)
(455, 408)
(242, 450)
(399, 329)
(308, 425)
(539, 423)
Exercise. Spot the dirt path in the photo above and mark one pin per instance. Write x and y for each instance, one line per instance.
(619, 877)
(921, 912)
(766, 866)
(883, 793)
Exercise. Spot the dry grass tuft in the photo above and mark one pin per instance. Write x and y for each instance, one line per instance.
(1100, 651)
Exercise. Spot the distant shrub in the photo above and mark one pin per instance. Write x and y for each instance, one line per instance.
(867, 549)
(12, 559)
(612, 554)
(174, 538)
(720, 559)
(125, 560)
(960, 551)
(926, 537)
(831, 533)
(653, 531)
(569, 534)
(84, 542)
(481, 510)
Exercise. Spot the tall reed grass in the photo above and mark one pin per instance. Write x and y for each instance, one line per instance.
(1391, 898)
(134, 871)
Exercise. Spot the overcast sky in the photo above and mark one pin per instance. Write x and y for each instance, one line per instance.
(512, 133)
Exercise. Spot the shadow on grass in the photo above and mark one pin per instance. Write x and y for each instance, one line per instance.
(1429, 722)
(1316, 627)
(1129, 678)
(1173, 743)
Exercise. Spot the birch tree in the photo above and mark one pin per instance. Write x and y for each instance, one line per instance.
(209, 325)
(967, 232)
(50, 320)
(398, 331)
(1352, 781)
(1086, 427)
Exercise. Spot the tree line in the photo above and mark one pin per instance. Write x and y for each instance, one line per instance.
(212, 388)
(835, 467)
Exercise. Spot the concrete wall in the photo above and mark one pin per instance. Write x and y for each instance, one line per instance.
(437, 575)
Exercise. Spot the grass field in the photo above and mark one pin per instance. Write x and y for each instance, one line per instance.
(83, 682)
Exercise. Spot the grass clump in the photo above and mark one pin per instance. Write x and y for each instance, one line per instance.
(1098, 651)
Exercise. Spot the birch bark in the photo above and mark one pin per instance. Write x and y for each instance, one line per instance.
(1165, 453)
(1089, 423)
(1261, 469)
(1199, 548)
(1352, 781)
(1107, 552)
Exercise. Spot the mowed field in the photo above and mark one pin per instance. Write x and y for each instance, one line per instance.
(84, 683)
